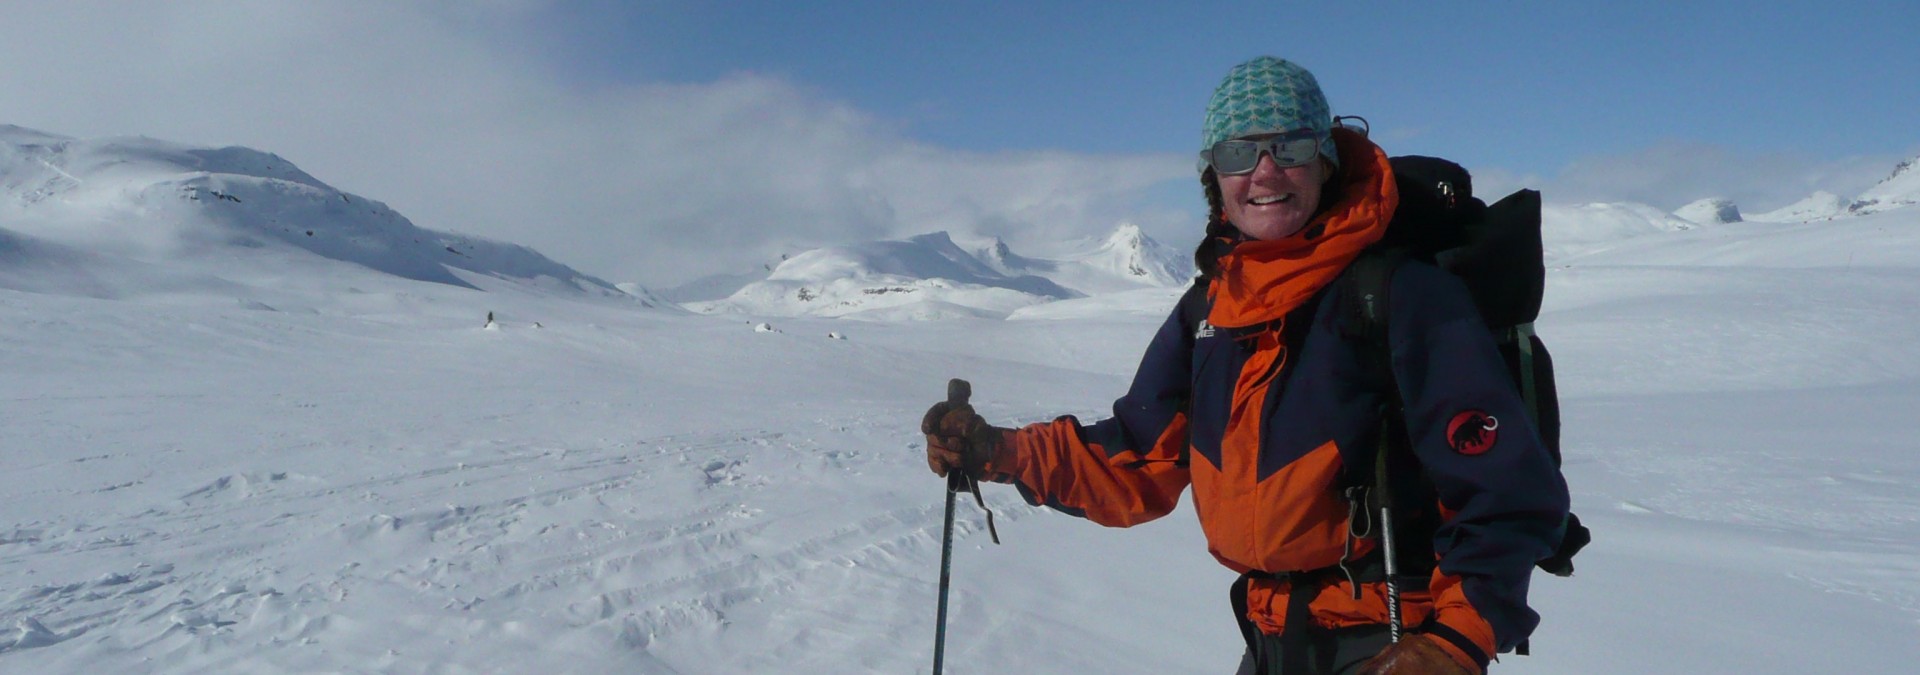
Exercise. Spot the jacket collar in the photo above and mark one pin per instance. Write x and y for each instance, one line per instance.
(1262, 281)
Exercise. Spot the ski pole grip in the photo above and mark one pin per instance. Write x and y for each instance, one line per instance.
(958, 391)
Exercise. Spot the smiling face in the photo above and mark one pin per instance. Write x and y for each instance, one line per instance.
(1272, 202)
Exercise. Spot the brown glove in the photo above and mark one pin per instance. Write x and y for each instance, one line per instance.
(1414, 654)
(959, 439)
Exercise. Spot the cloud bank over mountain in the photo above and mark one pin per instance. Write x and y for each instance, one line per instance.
(451, 115)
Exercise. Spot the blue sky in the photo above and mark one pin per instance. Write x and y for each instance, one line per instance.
(660, 140)
(1526, 86)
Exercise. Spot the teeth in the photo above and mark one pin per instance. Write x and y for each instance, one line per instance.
(1271, 199)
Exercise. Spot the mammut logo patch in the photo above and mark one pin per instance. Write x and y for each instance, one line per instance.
(1205, 331)
(1472, 432)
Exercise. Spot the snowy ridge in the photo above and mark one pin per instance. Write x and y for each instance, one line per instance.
(177, 207)
(932, 277)
(1820, 205)
(1569, 229)
(1711, 211)
(1125, 259)
(924, 277)
(1900, 189)
(1128, 253)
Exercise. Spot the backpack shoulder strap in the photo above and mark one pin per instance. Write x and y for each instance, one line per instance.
(1364, 310)
(1363, 316)
(1384, 470)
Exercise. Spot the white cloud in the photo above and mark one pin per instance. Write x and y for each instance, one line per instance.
(448, 112)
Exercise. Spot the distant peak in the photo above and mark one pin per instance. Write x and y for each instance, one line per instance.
(939, 237)
(998, 248)
(1899, 189)
(1710, 211)
(16, 134)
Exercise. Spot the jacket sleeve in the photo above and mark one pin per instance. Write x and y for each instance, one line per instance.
(1129, 468)
(1502, 499)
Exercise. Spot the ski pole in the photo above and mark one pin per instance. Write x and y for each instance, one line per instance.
(1386, 544)
(958, 391)
(946, 574)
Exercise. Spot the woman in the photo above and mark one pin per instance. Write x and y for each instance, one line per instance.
(1260, 404)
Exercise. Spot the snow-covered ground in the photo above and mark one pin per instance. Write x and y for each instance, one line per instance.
(269, 461)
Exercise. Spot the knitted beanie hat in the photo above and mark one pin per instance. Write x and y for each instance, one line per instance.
(1268, 95)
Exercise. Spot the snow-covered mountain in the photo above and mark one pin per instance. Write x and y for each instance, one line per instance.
(1900, 189)
(1573, 228)
(924, 277)
(1710, 211)
(1817, 206)
(932, 277)
(1897, 190)
(1126, 259)
(200, 215)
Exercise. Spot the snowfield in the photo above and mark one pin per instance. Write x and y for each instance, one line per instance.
(263, 459)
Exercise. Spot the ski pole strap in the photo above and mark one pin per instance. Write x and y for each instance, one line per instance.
(971, 484)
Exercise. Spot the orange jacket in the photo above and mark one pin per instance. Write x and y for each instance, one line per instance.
(1258, 406)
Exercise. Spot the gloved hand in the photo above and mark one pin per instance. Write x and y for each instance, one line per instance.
(958, 439)
(1414, 654)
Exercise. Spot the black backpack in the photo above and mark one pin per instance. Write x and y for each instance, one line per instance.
(1496, 251)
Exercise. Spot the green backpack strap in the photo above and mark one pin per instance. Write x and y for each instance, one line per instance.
(1522, 338)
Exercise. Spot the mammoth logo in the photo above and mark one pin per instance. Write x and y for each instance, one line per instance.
(1472, 432)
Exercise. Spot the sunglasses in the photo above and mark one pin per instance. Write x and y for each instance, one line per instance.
(1237, 156)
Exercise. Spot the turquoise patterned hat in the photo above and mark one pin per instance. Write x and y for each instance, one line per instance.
(1268, 95)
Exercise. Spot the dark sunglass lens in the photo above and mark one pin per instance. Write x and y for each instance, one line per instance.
(1231, 157)
(1295, 152)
